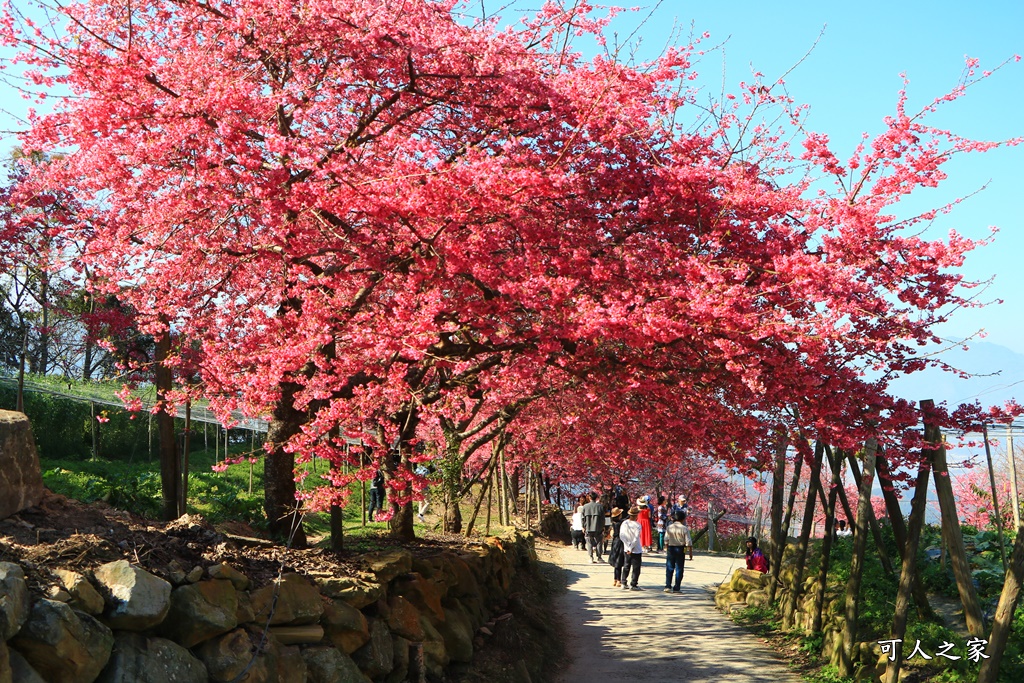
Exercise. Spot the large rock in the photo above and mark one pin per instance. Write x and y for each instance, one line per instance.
(329, 665)
(387, 565)
(14, 599)
(225, 571)
(291, 600)
(457, 631)
(84, 597)
(345, 626)
(435, 656)
(423, 594)
(400, 664)
(21, 482)
(136, 600)
(758, 598)
(746, 580)
(554, 525)
(356, 591)
(64, 646)
(290, 666)
(200, 611)
(244, 650)
(403, 619)
(154, 660)
(5, 663)
(377, 657)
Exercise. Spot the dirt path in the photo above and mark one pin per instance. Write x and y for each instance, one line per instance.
(649, 636)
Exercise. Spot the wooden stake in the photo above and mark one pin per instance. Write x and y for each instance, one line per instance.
(995, 495)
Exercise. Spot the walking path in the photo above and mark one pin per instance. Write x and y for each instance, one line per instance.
(649, 636)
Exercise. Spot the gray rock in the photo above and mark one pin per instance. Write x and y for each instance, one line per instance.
(64, 646)
(136, 600)
(389, 564)
(200, 611)
(297, 602)
(243, 615)
(22, 671)
(355, 591)
(14, 599)
(227, 656)
(377, 657)
(457, 631)
(5, 663)
(84, 597)
(154, 660)
(345, 626)
(21, 481)
(400, 664)
(290, 666)
(330, 665)
(194, 575)
(225, 571)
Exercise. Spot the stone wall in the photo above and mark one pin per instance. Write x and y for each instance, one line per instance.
(403, 617)
(21, 483)
(747, 588)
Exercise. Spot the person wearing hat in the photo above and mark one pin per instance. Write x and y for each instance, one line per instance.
(646, 537)
(629, 534)
(755, 558)
(680, 506)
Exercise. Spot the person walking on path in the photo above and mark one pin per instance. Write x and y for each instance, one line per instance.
(677, 542)
(616, 555)
(579, 541)
(629, 534)
(646, 537)
(661, 522)
(593, 525)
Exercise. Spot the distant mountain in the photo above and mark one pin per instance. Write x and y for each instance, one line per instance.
(997, 376)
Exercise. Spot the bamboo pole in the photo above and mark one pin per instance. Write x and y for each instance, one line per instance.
(789, 608)
(1014, 499)
(846, 658)
(954, 541)
(908, 574)
(995, 495)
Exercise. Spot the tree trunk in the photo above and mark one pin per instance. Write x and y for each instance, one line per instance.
(841, 491)
(805, 533)
(908, 576)
(995, 497)
(170, 475)
(1002, 623)
(778, 534)
(846, 659)
(826, 544)
(284, 516)
(899, 532)
(883, 554)
(954, 541)
(185, 448)
(401, 523)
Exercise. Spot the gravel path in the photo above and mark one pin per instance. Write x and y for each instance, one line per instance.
(649, 636)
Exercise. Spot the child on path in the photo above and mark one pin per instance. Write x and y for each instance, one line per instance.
(578, 541)
(629, 534)
(677, 542)
(616, 555)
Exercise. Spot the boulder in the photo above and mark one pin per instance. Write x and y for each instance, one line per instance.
(457, 631)
(297, 602)
(423, 594)
(746, 580)
(554, 526)
(14, 599)
(464, 582)
(200, 611)
(21, 670)
(225, 571)
(389, 564)
(244, 614)
(403, 619)
(21, 481)
(355, 591)
(84, 597)
(345, 626)
(758, 598)
(136, 600)
(64, 646)
(154, 660)
(400, 664)
(226, 657)
(377, 657)
(435, 656)
(5, 664)
(290, 666)
(329, 665)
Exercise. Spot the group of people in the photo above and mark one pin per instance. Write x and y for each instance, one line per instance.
(632, 532)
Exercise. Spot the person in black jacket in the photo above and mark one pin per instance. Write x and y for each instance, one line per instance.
(376, 494)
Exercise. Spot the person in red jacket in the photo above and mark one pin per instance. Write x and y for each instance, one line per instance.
(755, 558)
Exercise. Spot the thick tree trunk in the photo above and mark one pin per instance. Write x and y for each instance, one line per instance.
(778, 539)
(805, 534)
(1002, 623)
(908, 575)
(846, 659)
(170, 473)
(401, 523)
(284, 517)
